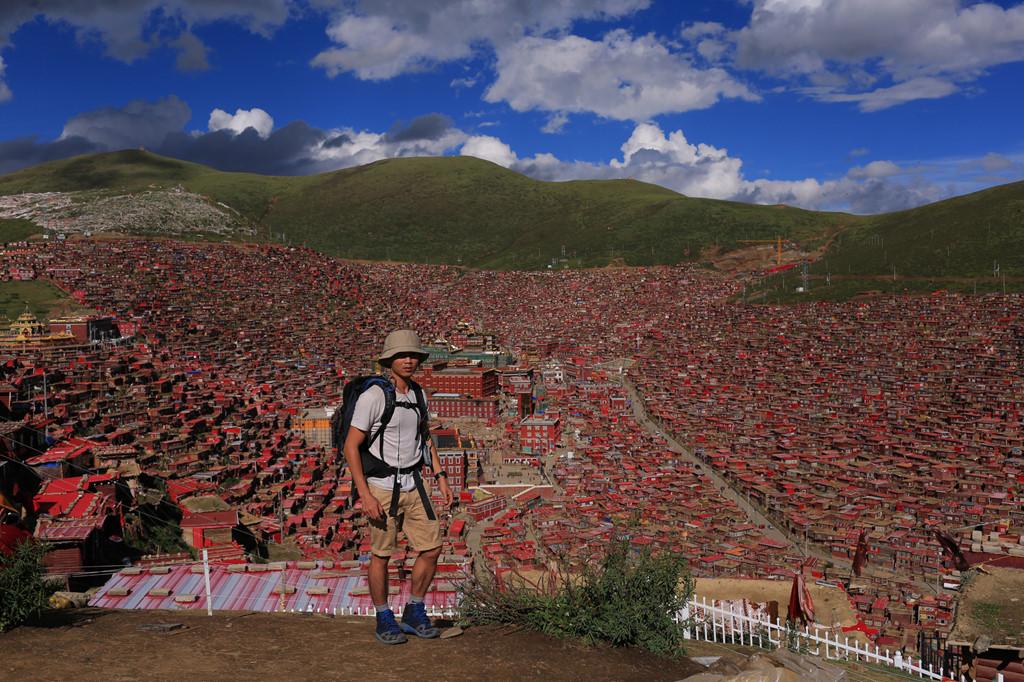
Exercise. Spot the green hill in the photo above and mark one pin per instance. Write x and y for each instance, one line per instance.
(959, 237)
(450, 209)
(469, 211)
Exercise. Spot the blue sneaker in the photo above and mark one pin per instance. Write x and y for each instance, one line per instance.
(388, 631)
(416, 622)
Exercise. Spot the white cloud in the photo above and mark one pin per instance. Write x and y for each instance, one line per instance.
(539, 65)
(347, 147)
(703, 170)
(466, 82)
(875, 169)
(883, 98)
(880, 53)
(380, 39)
(254, 118)
(994, 163)
(556, 123)
(490, 149)
(5, 92)
(618, 77)
(671, 160)
(701, 29)
(708, 38)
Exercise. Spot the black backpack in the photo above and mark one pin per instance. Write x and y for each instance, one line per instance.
(374, 466)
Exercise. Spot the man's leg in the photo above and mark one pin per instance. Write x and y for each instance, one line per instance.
(383, 535)
(378, 579)
(424, 535)
(423, 572)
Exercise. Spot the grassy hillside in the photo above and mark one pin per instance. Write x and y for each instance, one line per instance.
(469, 211)
(39, 296)
(16, 229)
(133, 170)
(451, 209)
(960, 237)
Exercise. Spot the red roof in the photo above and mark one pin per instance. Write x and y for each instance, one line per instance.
(69, 449)
(214, 519)
(72, 529)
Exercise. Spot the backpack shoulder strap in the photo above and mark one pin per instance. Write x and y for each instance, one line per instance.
(389, 405)
(421, 403)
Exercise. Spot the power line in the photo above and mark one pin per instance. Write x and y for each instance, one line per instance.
(81, 468)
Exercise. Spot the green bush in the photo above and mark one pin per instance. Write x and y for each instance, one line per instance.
(22, 585)
(629, 598)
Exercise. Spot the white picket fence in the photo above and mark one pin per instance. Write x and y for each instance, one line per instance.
(725, 625)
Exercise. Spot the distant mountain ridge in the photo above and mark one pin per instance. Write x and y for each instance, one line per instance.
(472, 212)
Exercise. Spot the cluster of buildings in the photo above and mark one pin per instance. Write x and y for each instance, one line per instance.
(894, 417)
(891, 417)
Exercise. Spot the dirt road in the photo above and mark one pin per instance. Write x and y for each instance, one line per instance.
(92, 644)
(733, 492)
(723, 485)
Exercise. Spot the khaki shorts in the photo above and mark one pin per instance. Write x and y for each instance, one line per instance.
(422, 533)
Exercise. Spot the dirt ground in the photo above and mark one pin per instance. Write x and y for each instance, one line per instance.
(992, 604)
(831, 605)
(92, 644)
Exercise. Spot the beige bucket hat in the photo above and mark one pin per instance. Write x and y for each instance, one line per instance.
(401, 341)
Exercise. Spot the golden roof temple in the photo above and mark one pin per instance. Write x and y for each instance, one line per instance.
(28, 333)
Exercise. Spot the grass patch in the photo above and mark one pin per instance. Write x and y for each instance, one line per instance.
(627, 599)
(17, 229)
(38, 295)
(988, 616)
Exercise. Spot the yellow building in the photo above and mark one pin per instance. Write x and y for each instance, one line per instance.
(28, 333)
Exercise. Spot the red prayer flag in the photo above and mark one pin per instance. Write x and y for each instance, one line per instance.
(951, 546)
(800, 605)
(860, 557)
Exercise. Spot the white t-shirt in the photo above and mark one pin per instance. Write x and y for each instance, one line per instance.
(401, 445)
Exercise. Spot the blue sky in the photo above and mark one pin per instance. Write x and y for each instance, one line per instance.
(862, 105)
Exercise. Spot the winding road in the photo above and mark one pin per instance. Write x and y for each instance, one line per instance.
(728, 490)
(724, 486)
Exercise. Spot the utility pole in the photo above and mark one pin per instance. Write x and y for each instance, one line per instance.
(206, 582)
(280, 513)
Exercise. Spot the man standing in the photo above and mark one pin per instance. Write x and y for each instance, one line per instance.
(392, 493)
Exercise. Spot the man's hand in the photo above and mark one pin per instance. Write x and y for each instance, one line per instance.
(446, 492)
(371, 507)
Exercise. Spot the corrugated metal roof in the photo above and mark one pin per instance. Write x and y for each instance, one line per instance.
(67, 530)
(232, 590)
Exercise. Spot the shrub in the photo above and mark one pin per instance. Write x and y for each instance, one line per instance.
(628, 598)
(22, 584)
